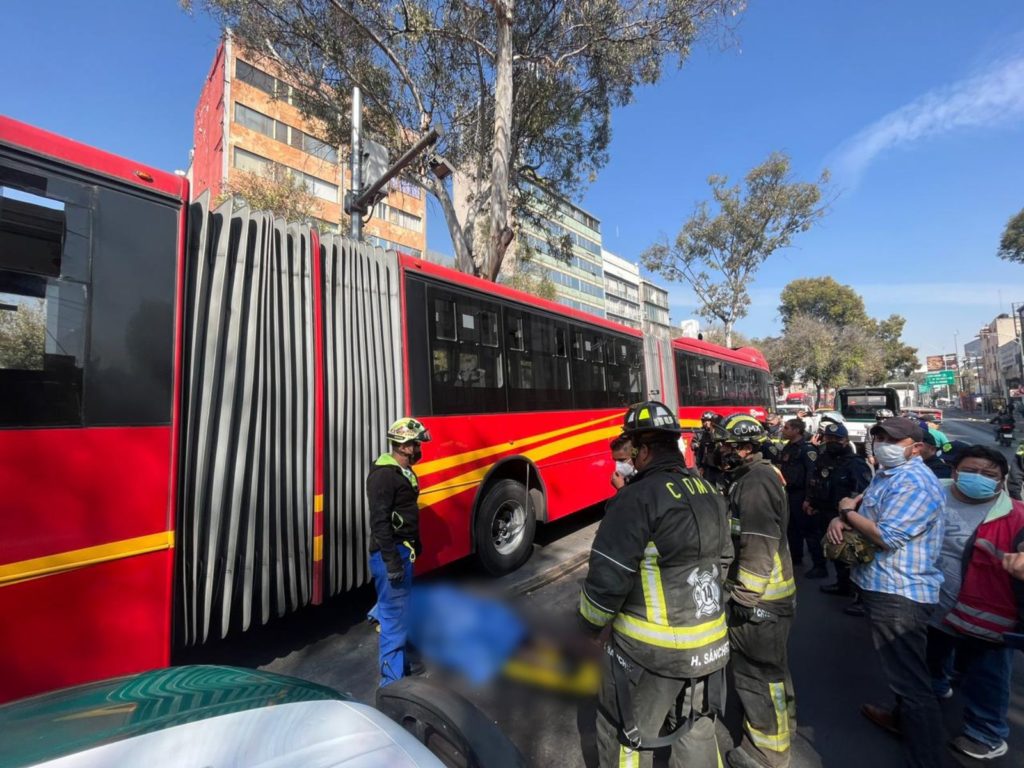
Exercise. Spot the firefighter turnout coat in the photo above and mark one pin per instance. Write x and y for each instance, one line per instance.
(762, 573)
(656, 572)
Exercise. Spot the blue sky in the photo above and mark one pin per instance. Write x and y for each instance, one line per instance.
(917, 106)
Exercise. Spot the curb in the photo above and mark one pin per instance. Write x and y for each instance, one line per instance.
(548, 575)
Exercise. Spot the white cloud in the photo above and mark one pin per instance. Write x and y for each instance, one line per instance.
(994, 97)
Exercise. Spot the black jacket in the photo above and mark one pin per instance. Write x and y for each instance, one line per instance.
(797, 465)
(762, 573)
(941, 469)
(393, 493)
(835, 477)
(656, 571)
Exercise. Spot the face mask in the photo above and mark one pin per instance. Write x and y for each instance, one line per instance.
(417, 454)
(890, 455)
(731, 461)
(624, 468)
(975, 486)
(834, 448)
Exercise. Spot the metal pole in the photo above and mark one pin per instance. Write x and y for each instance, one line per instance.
(356, 217)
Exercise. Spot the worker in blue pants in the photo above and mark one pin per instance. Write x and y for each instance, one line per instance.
(392, 491)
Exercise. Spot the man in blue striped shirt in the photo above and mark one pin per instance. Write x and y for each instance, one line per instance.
(901, 513)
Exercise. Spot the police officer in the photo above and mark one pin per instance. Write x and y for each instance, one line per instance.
(797, 464)
(931, 456)
(869, 447)
(393, 491)
(762, 597)
(839, 473)
(705, 453)
(656, 572)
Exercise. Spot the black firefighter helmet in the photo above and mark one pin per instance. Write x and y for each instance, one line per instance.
(740, 428)
(650, 416)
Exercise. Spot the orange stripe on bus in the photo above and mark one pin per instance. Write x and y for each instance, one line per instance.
(318, 503)
(11, 573)
(437, 465)
(318, 548)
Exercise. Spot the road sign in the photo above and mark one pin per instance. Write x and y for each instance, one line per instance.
(924, 389)
(940, 378)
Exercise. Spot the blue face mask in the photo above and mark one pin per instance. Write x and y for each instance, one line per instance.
(975, 486)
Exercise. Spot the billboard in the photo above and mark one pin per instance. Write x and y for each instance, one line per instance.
(941, 362)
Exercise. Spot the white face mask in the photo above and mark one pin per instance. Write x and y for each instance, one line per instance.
(624, 468)
(890, 455)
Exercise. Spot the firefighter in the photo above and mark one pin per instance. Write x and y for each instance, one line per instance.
(393, 491)
(839, 473)
(762, 596)
(654, 590)
(797, 465)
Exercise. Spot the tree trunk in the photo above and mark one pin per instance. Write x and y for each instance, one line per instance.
(463, 251)
(728, 333)
(501, 151)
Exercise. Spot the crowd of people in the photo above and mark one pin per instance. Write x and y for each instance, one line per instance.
(922, 533)
(691, 576)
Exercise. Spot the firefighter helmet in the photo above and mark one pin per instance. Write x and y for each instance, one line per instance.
(408, 430)
(740, 428)
(650, 416)
(710, 416)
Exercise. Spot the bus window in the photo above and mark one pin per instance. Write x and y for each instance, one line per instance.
(43, 318)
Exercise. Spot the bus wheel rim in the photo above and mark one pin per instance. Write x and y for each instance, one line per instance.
(509, 527)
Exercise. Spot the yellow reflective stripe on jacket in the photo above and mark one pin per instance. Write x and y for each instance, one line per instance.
(752, 581)
(778, 588)
(628, 758)
(654, 592)
(592, 612)
(663, 636)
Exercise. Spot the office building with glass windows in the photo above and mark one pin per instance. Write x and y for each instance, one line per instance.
(248, 121)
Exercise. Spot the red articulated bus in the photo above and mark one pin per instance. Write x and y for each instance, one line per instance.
(190, 399)
(710, 377)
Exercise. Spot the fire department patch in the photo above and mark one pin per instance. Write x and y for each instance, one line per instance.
(707, 594)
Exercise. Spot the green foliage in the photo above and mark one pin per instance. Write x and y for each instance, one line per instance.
(528, 279)
(829, 340)
(523, 93)
(23, 335)
(277, 192)
(1011, 244)
(824, 299)
(719, 251)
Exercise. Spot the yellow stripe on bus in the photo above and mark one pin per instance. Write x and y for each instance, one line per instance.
(318, 548)
(318, 502)
(438, 465)
(11, 573)
(456, 485)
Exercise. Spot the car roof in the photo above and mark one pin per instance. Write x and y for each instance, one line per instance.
(203, 715)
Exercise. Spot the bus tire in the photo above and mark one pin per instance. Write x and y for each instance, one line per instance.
(451, 727)
(505, 525)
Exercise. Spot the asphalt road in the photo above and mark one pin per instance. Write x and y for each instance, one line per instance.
(833, 664)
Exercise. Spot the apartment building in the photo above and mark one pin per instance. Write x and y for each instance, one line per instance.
(247, 121)
(621, 290)
(656, 319)
(994, 336)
